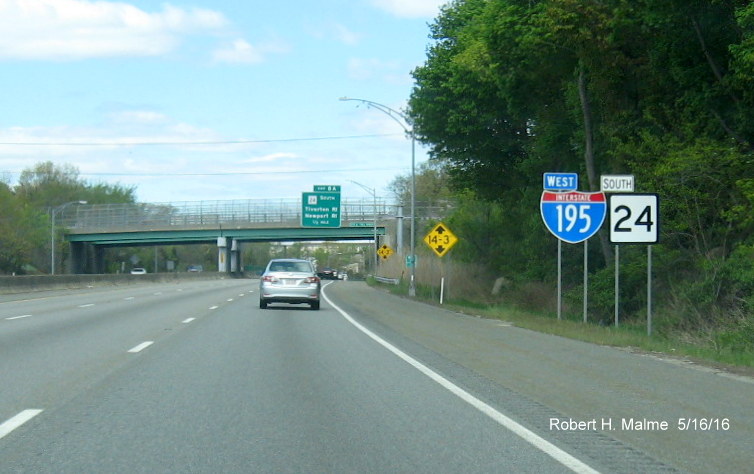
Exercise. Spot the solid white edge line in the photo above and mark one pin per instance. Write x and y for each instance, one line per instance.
(141, 347)
(8, 426)
(540, 443)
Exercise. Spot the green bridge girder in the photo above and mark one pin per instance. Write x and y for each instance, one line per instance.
(195, 236)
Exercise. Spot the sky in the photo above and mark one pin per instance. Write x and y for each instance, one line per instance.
(198, 100)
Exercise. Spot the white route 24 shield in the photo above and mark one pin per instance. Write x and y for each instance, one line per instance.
(573, 216)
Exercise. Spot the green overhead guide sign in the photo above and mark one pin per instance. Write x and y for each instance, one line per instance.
(321, 208)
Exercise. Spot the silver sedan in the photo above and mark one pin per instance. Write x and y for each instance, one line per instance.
(289, 280)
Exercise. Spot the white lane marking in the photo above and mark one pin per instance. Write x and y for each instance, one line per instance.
(18, 317)
(157, 294)
(129, 298)
(18, 420)
(86, 305)
(179, 289)
(543, 445)
(141, 347)
(242, 294)
(229, 300)
(187, 320)
(213, 307)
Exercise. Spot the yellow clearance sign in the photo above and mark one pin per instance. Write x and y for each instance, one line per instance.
(384, 252)
(440, 239)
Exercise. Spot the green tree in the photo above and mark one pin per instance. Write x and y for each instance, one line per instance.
(658, 88)
(44, 187)
(22, 231)
(47, 185)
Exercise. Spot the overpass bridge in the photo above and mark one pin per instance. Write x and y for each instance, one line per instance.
(91, 228)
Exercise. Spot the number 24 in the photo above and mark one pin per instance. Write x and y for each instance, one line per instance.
(644, 219)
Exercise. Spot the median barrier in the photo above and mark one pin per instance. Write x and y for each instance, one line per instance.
(30, 283)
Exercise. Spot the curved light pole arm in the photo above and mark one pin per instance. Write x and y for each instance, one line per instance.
(399, 117)
(406, 126)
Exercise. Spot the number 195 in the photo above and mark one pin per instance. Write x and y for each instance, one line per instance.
(570, 214)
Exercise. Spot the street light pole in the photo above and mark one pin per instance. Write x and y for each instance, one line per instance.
(373, 192)
(52, 232)
(403, 121)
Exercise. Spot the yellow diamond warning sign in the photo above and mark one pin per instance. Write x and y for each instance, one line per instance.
(384, 252)
(440, 239)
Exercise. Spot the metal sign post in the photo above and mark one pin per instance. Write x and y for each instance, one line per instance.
(635, 219)
(617, 283)
(560, 278)
(571, 216)
(649, 290)
(586, 276)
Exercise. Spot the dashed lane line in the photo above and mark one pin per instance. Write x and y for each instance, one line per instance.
(141, 347)
(18, 317)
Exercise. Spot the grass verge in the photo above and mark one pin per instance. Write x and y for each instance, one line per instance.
(631, 336)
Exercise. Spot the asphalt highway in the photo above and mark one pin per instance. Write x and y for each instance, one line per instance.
(194, 377)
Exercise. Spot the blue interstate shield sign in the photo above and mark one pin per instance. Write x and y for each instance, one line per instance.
(574, 216)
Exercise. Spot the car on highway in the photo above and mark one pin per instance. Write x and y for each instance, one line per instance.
(138, 271)
(289, 280)
(328, 273)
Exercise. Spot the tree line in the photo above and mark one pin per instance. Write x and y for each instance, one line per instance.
(26, 212)
(661, 89)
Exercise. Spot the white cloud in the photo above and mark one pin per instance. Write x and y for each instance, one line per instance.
(334, 31)
(345, 36)
(80, 29)
(122, 129)
(239, 51)
(411, 8)
(242, 52)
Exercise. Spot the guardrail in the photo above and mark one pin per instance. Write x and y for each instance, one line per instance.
(388, 281)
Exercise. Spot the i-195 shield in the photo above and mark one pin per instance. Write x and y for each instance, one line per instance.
(574, 216)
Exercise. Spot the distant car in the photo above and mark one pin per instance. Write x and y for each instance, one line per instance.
(138, 271)
(328, 274)
(289, 280)
(195, 268)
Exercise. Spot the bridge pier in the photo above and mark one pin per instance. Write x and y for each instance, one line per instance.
(223, 255)
(85, 259)
(235, 258)
(229, 256)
